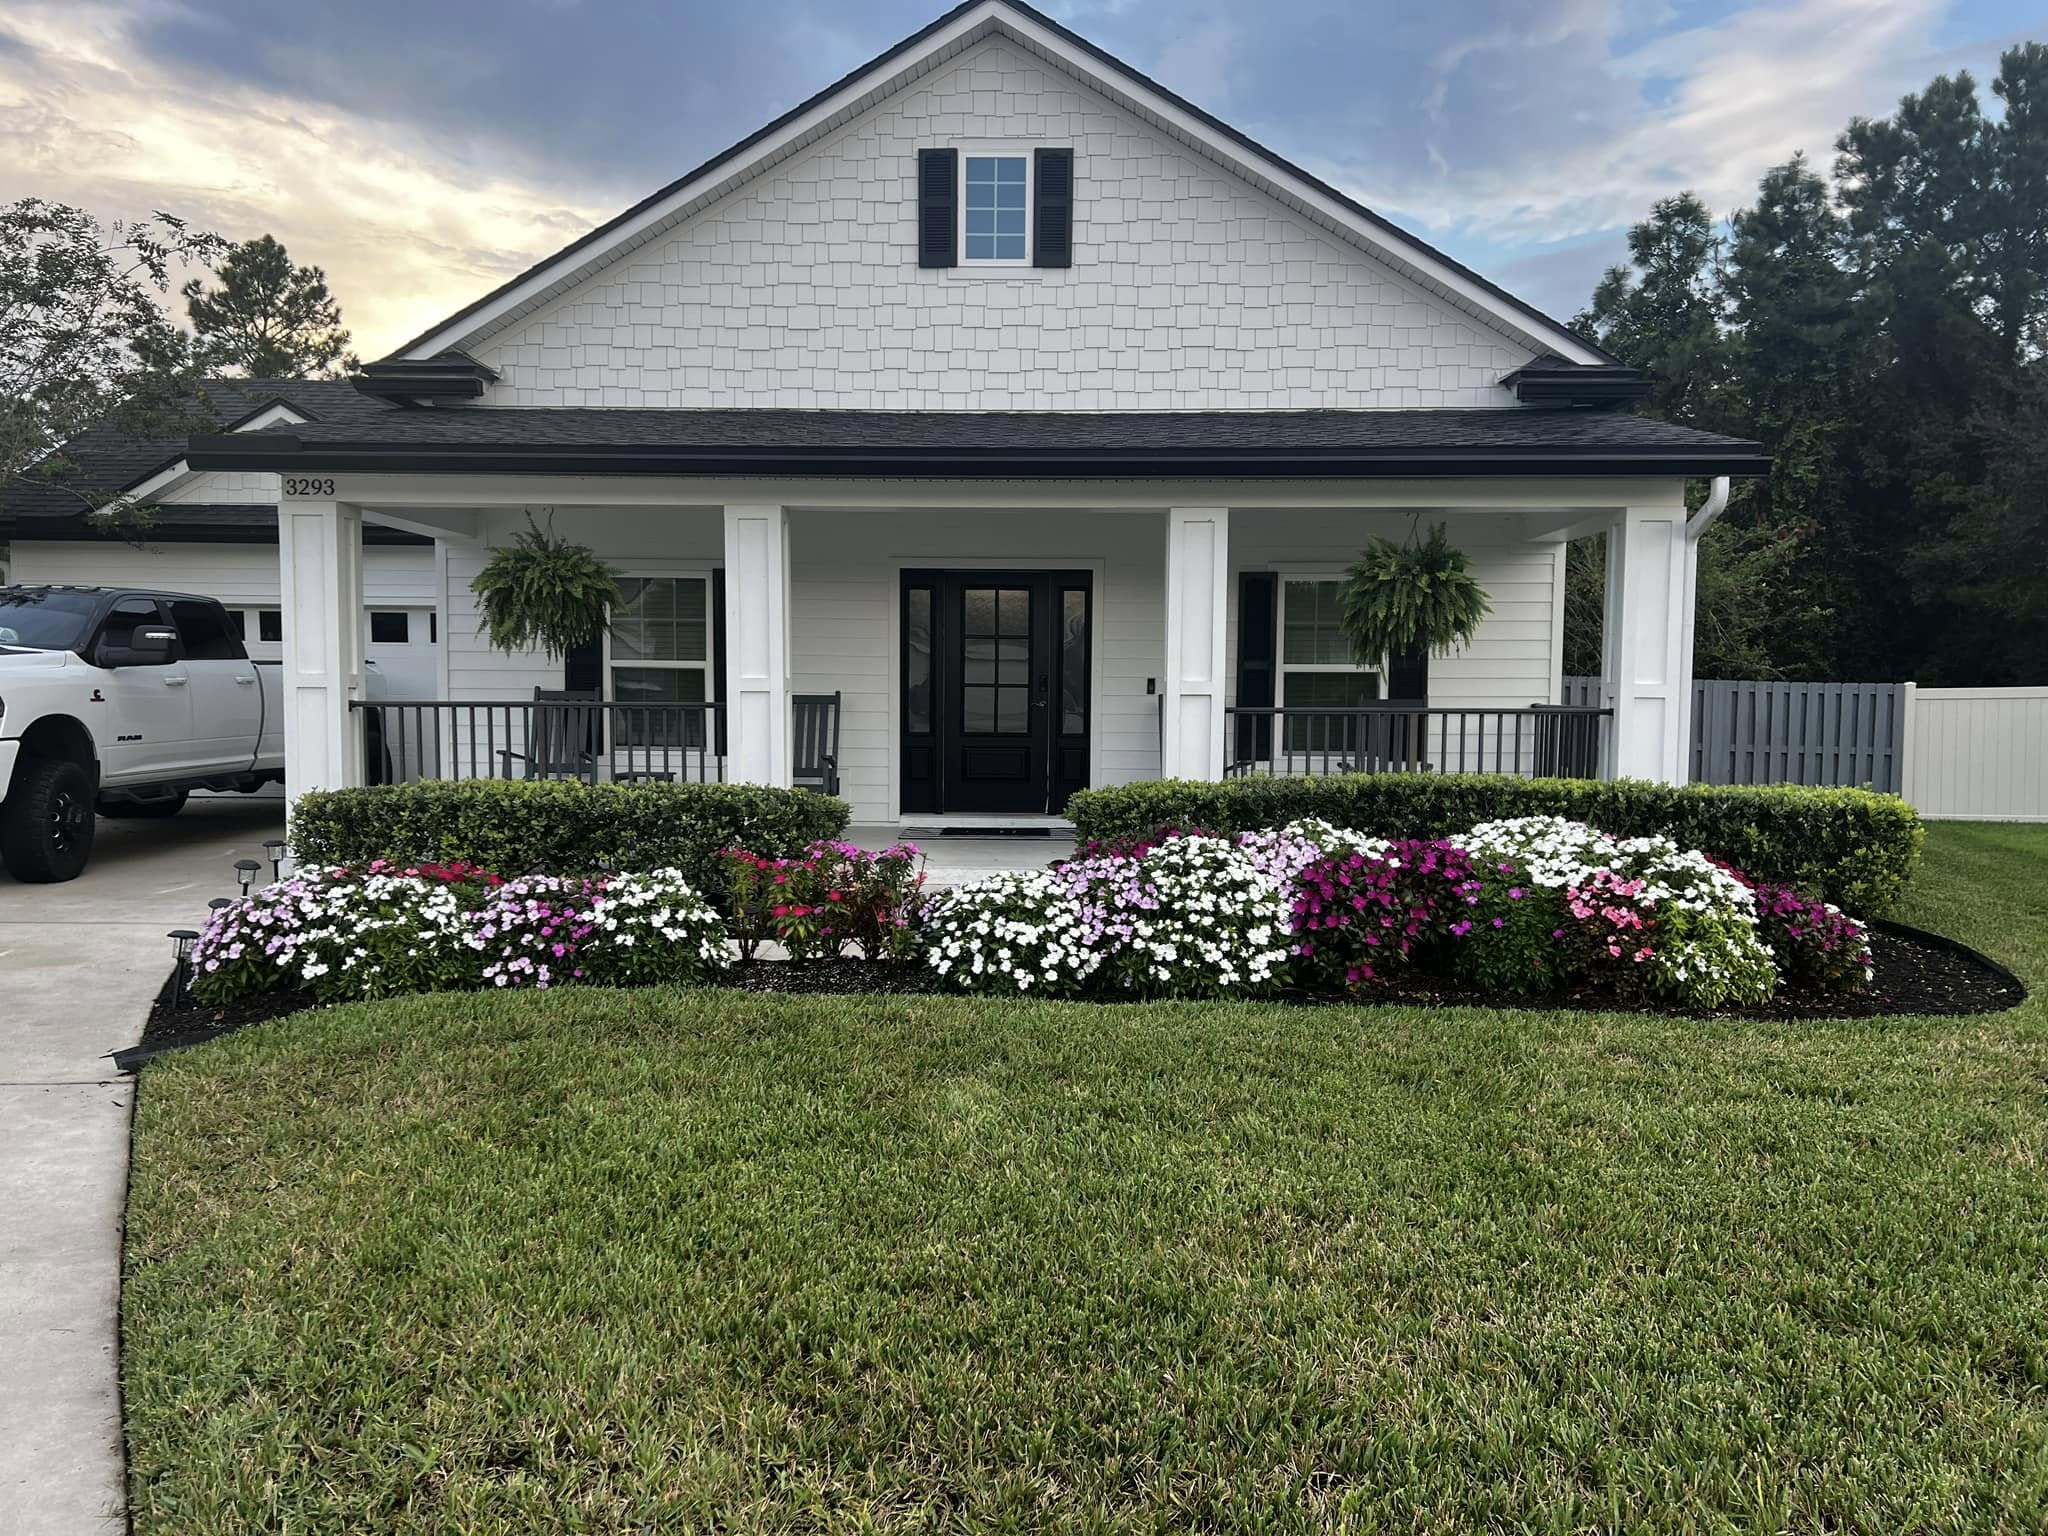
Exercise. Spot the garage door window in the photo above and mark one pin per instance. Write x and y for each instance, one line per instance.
(390, 628)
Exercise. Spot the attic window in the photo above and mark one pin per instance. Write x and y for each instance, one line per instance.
(995, 202)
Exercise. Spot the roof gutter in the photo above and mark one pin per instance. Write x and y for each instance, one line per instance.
(280, 452)
(1709, 513)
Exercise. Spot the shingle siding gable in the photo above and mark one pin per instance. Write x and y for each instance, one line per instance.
(1189, 288)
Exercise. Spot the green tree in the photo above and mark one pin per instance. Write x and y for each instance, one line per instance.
(1662, 312)
(84, 336)
(1948, 210)
(1796, 346)
(1668, 313)
(266, 318)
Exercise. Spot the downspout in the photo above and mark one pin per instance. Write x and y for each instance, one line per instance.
(1696, 525)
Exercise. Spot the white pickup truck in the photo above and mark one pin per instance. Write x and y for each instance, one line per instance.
(121, 702)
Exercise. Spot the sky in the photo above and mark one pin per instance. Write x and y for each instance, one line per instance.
(422, 151)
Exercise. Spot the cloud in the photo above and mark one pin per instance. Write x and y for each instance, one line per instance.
(404, 235)
(424, 150)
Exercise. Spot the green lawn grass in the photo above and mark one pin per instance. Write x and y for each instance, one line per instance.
(677, 1261)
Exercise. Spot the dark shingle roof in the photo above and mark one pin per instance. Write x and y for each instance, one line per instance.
(109, 456)
(987, 443)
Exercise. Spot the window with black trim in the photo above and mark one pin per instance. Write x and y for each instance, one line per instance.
(390, 626)
(270, 625)
(658, 653)
(1316, 669)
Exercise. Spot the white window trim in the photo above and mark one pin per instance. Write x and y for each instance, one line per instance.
(708, 666)
(1011, 151)
(1281, 665)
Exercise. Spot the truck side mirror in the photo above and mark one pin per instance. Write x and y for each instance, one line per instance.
(149, 645)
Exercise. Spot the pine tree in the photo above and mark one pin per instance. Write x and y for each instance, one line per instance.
(266, 318)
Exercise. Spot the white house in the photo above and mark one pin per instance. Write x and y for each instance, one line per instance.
(1028, 412)
(215, 532)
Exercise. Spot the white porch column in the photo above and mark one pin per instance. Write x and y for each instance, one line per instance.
(320, 558)
(1644, 639)
(757, 645)
(1197, 607)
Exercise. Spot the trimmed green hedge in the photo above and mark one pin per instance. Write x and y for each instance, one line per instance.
(528, 826)
(1855, 848)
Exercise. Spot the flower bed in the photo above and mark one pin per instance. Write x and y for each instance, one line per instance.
(1848, 846)
(340, 934)
(1522, 907)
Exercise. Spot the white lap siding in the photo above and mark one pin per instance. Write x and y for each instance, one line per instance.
(639, 541)
(846, 611)
(845, 608)
(1512, 662)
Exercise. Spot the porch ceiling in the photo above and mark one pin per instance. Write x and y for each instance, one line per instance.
(1011, 445)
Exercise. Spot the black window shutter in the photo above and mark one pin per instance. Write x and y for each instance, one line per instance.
(718, 649)
(938, 191)
(1052, 222)
(1257, 639)
(583, 668)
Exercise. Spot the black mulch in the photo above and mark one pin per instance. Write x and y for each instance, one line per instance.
(1917, 972)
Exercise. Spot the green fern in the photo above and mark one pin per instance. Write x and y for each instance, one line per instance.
(1404, 598)
(543, 592)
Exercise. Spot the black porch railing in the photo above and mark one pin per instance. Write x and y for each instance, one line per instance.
(1538, 740)
(594, 740)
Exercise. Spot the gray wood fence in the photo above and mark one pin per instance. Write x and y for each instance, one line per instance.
(1789, 733)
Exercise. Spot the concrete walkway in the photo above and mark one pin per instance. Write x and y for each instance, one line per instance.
(956, 858)
(79, 965)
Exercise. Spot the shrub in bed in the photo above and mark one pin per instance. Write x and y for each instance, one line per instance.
(1850, 847)
(631, 930)
(339, 934)
(343, 934)
(1818, 948)
(526, 826)
(1360, 916)
(1524, 906)
(831, 896)
(1639, 914)
(1191, 916)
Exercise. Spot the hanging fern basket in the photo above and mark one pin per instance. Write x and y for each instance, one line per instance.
(1404, 603)
(543, 592)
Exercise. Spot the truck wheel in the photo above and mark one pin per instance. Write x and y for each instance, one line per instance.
(143, 810)
(46, 824)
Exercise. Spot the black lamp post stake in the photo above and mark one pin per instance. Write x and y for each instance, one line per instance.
(182, 940)
(245, 871)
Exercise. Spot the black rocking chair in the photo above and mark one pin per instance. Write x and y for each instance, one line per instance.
(814, 744)
(561, 737)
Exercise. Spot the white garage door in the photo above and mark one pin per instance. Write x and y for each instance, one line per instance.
(403, 643)
(404, 646)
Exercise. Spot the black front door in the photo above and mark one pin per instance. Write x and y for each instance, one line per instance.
(995, 689)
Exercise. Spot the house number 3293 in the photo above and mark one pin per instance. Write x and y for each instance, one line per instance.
(300, 486)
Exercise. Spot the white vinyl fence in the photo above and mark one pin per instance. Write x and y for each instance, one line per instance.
(1955, 753)
(1977, 754)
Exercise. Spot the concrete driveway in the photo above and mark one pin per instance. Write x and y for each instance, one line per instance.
(79, 965)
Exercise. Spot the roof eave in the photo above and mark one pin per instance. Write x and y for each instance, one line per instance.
(280, 453)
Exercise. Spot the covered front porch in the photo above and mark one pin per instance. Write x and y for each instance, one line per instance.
(944, 653)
